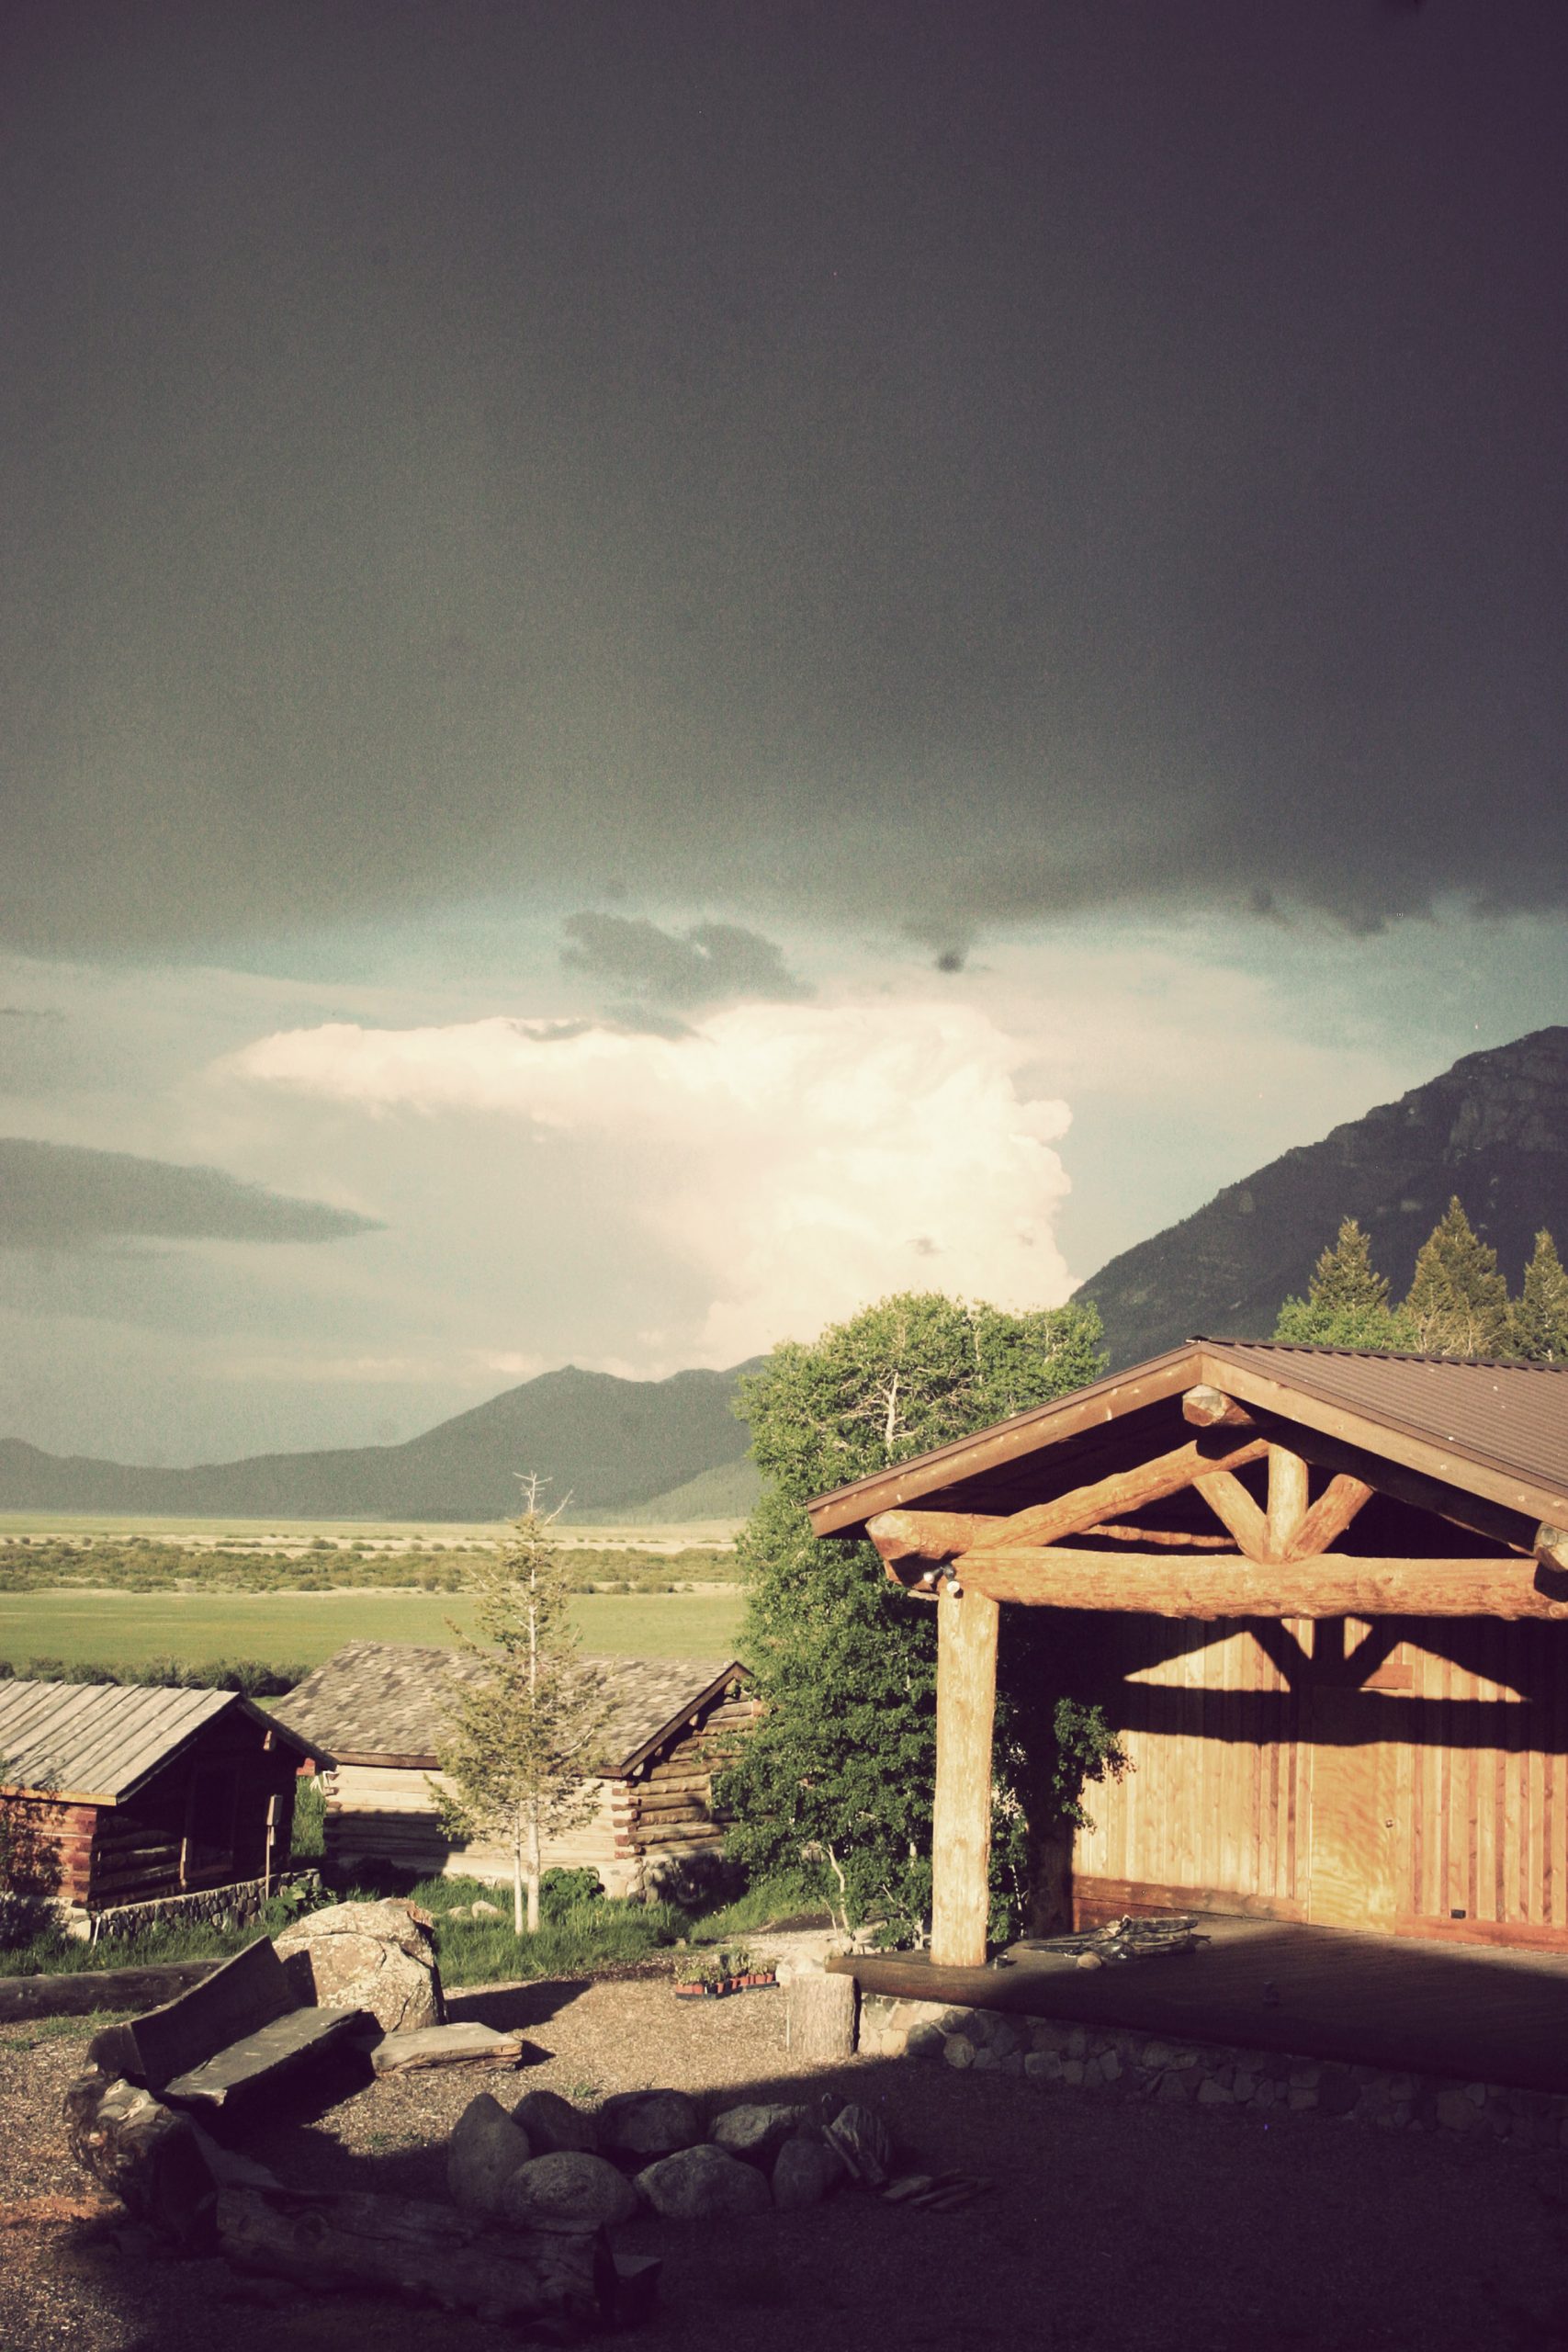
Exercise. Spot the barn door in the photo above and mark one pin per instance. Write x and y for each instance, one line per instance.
(1352, 1859)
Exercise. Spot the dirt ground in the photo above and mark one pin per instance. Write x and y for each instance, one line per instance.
(1115, 2225)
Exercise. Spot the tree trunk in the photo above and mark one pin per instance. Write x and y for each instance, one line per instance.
(534, 1867)
(1051, 1880)
(561, 2283)
(142, 2153)
(819, 2018)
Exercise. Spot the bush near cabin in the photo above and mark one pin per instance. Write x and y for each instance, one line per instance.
(836, 1778)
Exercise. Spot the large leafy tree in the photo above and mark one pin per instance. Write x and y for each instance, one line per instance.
(524, 1723)
(837, 1774)
(1537, 1320)
(1458, 1300)
(1347, 1304)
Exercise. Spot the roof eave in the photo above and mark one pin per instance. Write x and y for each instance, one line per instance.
(845, 1511)
(637, 1756)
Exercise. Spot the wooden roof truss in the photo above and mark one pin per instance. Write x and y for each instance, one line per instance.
(1272, 1558)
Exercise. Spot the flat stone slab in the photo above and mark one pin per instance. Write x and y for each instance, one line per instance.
(284, 2046)
(465, 2044)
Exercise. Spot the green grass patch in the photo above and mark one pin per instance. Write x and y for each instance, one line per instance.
(579, 1939)
(788, 1895)
(129, 1628)
(50, 1952)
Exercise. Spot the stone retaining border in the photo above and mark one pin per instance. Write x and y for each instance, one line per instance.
(1050, 2051)
(234, 1905)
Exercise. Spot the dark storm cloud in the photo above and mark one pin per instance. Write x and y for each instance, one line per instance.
(704, 965)
(61, 1197)
(948, 462)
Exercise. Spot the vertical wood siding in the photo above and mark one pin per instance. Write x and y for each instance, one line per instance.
(1418, 1782)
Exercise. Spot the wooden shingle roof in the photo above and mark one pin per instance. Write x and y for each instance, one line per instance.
(383, 1702)
(98, 1743)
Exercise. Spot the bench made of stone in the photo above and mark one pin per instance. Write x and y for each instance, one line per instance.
(242, 2026)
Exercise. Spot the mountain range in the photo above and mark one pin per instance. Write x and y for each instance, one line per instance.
(608, 1444)
(1493, 1129)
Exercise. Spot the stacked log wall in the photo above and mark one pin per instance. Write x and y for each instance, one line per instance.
(662, 1813)
(672, 1817)
(387, 1813)
(54, 1843)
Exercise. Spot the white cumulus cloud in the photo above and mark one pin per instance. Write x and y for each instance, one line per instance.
(799, 1160)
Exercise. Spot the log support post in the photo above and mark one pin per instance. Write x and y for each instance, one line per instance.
(961, 1824)
(1287, 1500)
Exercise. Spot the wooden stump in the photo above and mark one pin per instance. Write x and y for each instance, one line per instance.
(142, 2153)
(819, 2018)
(562, 2284)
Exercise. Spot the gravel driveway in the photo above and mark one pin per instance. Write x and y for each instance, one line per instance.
(1111, 2225)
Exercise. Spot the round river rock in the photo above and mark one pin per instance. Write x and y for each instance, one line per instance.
(642, 2125)
(485, 2149)
(555, 2126)
(702, 2184)
(569, 2190)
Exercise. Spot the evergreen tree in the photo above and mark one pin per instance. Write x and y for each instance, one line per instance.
(524, 1733)
(1537, 1321)
(1458, 1298)
(1347, 1303)
(837, 1774)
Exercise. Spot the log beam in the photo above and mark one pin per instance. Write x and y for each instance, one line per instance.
(1148, 1482)
(1210, 1408)
(1234, 1509)
(918, 1539)
(961, 1821)
(1164, 1584)
(1552, 1546)
(1329, 1517)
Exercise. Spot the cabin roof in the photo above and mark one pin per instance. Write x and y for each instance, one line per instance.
(98, 1743)
(381, 1701)
(1496, 1430)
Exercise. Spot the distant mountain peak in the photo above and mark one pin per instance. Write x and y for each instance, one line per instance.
(1493, 1129)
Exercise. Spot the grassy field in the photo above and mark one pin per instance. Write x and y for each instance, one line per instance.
(127, 1628)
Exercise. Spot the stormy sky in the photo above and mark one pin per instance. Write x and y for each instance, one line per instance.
(666, 666)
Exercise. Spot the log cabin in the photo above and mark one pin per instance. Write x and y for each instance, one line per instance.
(121, 1793)
(374, 1717)
(1322, 1598)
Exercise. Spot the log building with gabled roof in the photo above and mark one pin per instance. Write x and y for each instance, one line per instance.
(375, 1714)
(1325, 1596)
(135, 1792)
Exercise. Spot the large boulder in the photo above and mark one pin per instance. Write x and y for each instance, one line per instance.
(375, 1956)
(638, 2126)
(702, 2184)
(569, 2190)
(484, 2152)
(756, 2133)
(555, 2127)
(805, 2171)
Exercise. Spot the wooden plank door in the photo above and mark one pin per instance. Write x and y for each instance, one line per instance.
(1352, 1863)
